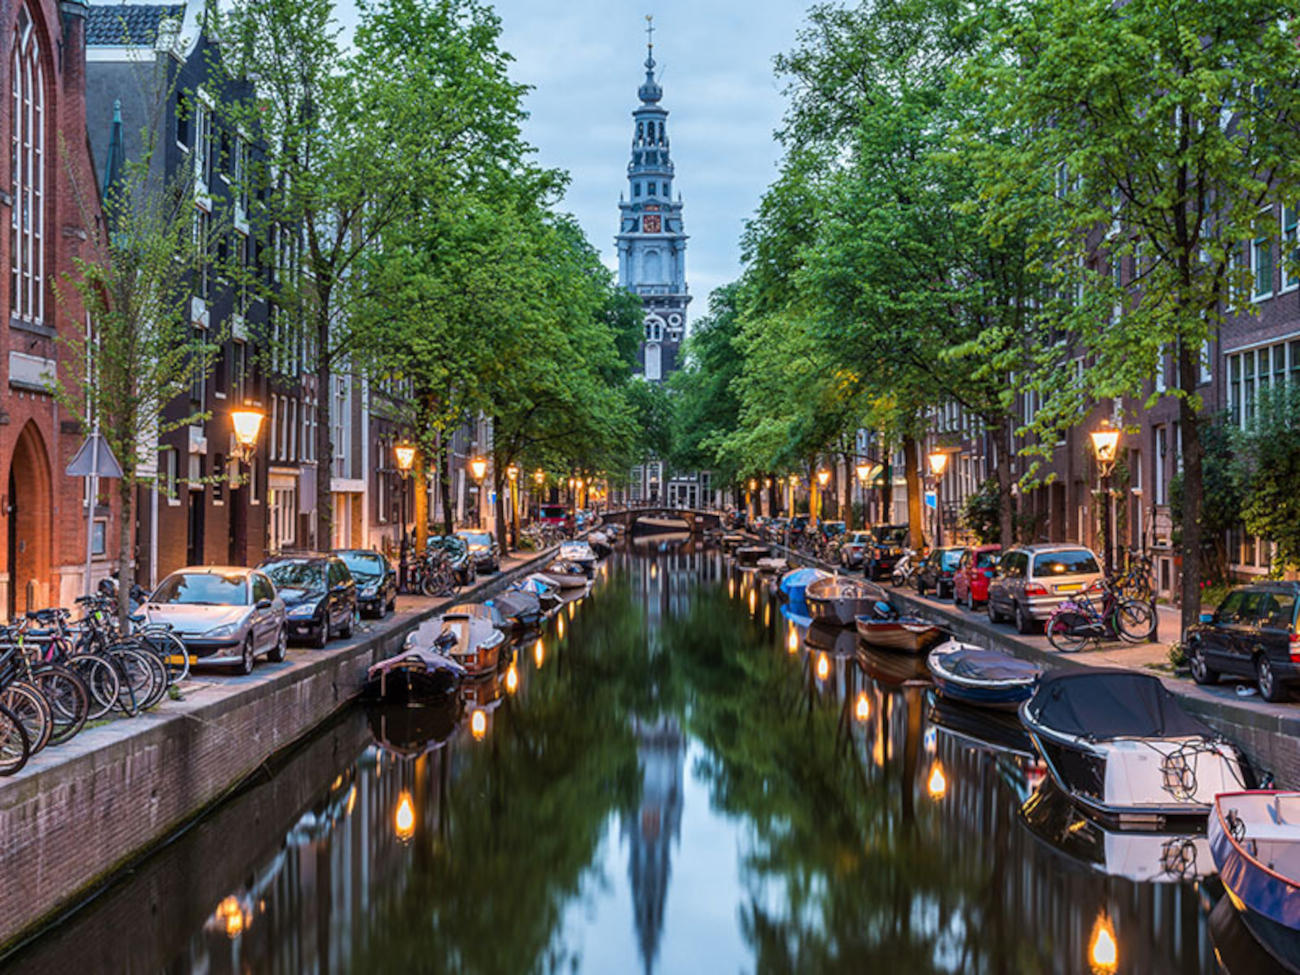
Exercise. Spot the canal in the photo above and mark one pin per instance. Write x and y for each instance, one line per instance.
(673, 776)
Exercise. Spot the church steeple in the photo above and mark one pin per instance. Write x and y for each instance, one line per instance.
(651, 240)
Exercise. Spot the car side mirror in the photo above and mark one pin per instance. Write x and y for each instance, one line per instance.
(1207, 617)
(263, 604)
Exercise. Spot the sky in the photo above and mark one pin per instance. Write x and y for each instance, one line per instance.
(584, 59)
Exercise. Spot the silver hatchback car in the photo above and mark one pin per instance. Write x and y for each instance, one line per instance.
(225, 614)
(1034, 580)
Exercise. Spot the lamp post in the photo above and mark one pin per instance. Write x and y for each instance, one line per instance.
(938, 464)
(247, 425)
(512, 473)
(863, 472)
(405, 454)
(823, 478)
(751, 487)
(478, 468)
(539, 478)
(1105, 444)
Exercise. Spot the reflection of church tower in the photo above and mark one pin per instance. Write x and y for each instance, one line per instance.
(651, 240)
(652, 833)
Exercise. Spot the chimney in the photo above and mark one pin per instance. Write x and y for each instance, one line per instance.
(73, 14)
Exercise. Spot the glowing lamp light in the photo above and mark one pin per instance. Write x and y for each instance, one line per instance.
(823, 477)
(1103, 949)
(539, 654)
(823, 666)
(512, 472)
(1105, 443)
(405, 454)
(794, 480)
(862, 710)
(231, 914)
(937, 784)
(938, 463)
(478, 724)
(753, 484)
(753, 601)
(478, 467)
(539, 477)
(864, 471)
(247, 425)
(512, 680)
(404, 817)
(767, 482)
(792, 641)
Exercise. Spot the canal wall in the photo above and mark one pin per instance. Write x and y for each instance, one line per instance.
(1269, 734)
(85, 810)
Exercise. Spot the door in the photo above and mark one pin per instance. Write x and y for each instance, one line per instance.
(1240, 628)
(266, 625)
(194, 529)
(1216, 640)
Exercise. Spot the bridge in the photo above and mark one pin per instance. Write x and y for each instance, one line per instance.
(659, 518)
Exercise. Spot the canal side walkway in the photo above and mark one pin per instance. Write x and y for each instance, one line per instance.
(82, 811)
(1268, 733)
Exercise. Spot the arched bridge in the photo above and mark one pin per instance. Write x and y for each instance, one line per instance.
(663, 519)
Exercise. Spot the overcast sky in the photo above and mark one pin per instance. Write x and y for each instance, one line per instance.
(584, 61)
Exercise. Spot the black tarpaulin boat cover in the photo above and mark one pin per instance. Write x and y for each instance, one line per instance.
(978, 664)
(1100, 704)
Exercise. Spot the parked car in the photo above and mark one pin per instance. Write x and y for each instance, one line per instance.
(970, 583)
(888, 542)
(376, 580)
(225, 614)
(319, 593)
(553, 514)
(457, 551)
(797, 526)
(831, 529)
(775, 529)
(1032, 581)
(853, 552)
(936, 571)
(1253, 633)
(483, 549)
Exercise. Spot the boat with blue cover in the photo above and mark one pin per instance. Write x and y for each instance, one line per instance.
(794, 584)
(987, 678)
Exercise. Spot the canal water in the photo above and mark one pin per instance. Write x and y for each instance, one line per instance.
(675, 775)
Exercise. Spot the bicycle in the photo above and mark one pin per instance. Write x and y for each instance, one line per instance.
(1079, 621)
(1135, 580)
(54, 645)
(63, 690)
(15, 745)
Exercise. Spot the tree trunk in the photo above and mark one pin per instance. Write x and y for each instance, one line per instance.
(498, 509)
(1193, 487)
(911, 470)
(324, 442)
(846, 491)
(444, 481)
(1006, 500)
(125, 546)
(887, 483)
(421, 481)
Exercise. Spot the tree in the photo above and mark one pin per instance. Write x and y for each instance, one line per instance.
(1221, 508)
(1266, 470)
(1150, 132)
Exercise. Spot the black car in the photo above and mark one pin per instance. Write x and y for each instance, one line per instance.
(797, 526)
(376, 580)
(319, 592)
(483, 549)
(457, 552)
(889, 543)
(1253, 633)
(937, 570)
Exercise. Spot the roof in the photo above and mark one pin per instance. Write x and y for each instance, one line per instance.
(129, 24)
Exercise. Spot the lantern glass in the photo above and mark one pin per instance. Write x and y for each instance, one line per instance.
(478, 467)
(938, 463)
(405, 454)
(247, 424)
(1105, 442)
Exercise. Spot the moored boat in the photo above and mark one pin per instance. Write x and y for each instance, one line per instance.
(546, 590)
(794, 584)
(518, 609)
(566, 575)
(601, 543)
(579, 553)
(987, 678)
(839, 600)
(477, 642)
(906, 634)
(750, 554)
(1255, 841)
(1122, 747)
(421, 673)
(772, 565)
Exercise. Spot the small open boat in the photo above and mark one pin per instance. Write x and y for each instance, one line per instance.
(906, 634)
(600, 543)
(566, 575)
(420, 673)
(579, 553)
(772, 565)
(546, 591)
(794, 584)
(477, 642)
(1255, 840)
(750, 554)
(518, 609)
(483, 611)
(840, 600)
(988, 678)
(1122, 747)
(733, 540)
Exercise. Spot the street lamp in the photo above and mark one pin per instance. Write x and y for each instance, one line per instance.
(823, 478)
(938, 464)
(512, 473)
(749, 499)
(478, 468)
(539, 478)
(247, 425)
(405, 454)
(1105, 445)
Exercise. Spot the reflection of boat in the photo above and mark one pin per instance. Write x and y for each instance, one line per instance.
(840, 600)
(1255, 837)
(477, 645)
(1122, 747)
(750, 554)
(791, 611)
(987, 678)
(1235, 948)
(485, 695)
(733, 539)
(993, 731)
(795, 582)
(412, 731)
(831, 639)
(1142, 857)
(420, 672)
(903, 635)
(566, 575)
(892, 669)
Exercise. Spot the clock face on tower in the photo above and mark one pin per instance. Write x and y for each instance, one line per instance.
(651, 223)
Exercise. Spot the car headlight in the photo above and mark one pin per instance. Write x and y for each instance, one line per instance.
(223, 632)
(370, 590)
(302, 611)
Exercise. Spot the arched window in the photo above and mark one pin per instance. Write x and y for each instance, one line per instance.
(653, 362)
(27, 166)
(654, 328)
(652, 270)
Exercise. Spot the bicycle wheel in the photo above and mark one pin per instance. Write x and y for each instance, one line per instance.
(135, 678)
(1134, 620)
(100, 678)
(68, 697)
(171, 650)
(157, 676)
(1063, 632)
(32, 710)
(15, 746)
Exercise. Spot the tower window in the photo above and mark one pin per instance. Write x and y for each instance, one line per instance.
(650, 189)
(640, 131)
(636, 189)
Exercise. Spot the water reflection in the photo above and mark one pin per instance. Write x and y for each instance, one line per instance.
(685, 779)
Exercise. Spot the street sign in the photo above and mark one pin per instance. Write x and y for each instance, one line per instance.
(94, 458)
(929, 499)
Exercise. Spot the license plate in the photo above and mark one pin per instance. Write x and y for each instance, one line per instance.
(175, 659)
(1070, 587)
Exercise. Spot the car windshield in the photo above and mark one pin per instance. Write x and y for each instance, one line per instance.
(860, 538)
(949, 557)
(553, 511)
(833, 528)
(297, 575)
(986, 560)
(203, 589)
(477, 538)
(448, 543)
(892, 536)
(365, 564)
(1078, 562)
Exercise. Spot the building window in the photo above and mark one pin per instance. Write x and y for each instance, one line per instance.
(649, 189)
(202, 243)
(274, 442)
(27, 166)
(1162, 448)
(238, 373)
(218, 479)
(169, 476)
(1261, 265)
(636, 190)
(1290, 249)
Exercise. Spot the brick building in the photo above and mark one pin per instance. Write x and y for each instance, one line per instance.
(52, 212)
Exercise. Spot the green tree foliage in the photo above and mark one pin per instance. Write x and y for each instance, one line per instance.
(707, 408)
(1266, 470)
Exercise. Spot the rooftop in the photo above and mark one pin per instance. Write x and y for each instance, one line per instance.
(129, 24)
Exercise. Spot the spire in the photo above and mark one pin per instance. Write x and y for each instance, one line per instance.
(113, 165)
(650, 91)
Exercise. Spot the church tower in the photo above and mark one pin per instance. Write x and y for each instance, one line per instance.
(651, 239)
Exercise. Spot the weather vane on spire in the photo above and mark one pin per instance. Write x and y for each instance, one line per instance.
(650, 31)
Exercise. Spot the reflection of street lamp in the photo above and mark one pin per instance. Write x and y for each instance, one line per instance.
(478, 468)
(1105, 444)
(937, 784)
(1103, 949)
(938, 464)
(247, 425)
(404, 817)
(405, 454)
